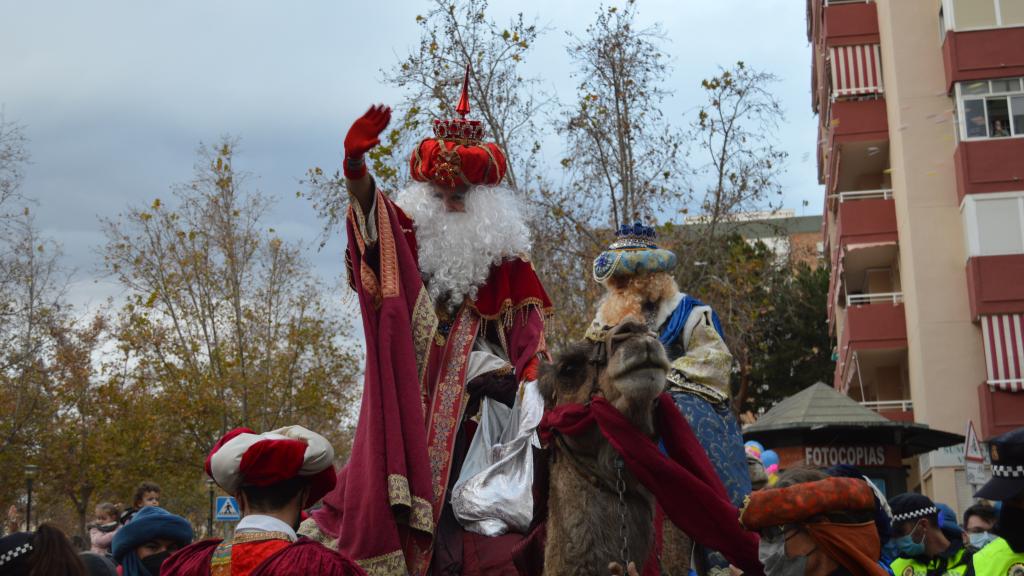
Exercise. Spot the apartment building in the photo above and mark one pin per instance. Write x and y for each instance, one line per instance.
(921, 152)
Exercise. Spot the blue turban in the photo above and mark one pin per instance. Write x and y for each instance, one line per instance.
(634, 252)
(149, 523)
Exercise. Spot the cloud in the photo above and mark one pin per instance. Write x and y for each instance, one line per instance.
(117, 95)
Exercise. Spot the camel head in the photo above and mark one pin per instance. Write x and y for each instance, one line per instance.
(628, 368)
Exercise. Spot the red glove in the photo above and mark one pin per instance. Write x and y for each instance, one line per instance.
(362, 136)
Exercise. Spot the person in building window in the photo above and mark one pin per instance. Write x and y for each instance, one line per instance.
(815, 525)
(999, 129)
(1004, 556)
(978, 522)
(924, 547)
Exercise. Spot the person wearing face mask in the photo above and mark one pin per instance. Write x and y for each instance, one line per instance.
(924, 548)
(978, 522)
(815, 525)
(142, 545)
(274, 476)
(1004, 556)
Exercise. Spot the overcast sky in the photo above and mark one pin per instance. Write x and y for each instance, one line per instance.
(116, 95)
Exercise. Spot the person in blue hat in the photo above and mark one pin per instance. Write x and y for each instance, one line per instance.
(637, 275)
(142, 545)
(1004, 556)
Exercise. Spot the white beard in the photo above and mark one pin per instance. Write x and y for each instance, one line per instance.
(457, 249)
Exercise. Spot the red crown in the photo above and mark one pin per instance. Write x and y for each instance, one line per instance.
(468, 131)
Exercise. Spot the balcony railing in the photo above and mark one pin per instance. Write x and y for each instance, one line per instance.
(830, 2)
(875, 298)
(882, 194)
(889, 405)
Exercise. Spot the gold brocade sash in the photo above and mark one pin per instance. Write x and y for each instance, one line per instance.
(446, 410)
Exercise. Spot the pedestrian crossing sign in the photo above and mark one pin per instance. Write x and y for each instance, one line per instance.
(227, 509)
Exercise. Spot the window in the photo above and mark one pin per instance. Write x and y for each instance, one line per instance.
(974, 14)
(991, 108)
(994, 223)
(1012, 12)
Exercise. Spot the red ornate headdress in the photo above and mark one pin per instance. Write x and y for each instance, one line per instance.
(457, 154)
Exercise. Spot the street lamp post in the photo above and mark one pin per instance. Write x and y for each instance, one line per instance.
(30, 474)
(209, 520)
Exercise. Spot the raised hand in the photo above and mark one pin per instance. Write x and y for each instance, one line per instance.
(365, 132)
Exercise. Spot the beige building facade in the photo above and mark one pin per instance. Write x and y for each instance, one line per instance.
(925, 314)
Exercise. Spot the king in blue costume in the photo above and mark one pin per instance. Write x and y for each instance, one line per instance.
(637, 274)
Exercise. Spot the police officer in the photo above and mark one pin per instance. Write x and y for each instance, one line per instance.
(925, 549)
(1004, 556)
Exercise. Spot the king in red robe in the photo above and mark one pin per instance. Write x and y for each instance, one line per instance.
(452, 312)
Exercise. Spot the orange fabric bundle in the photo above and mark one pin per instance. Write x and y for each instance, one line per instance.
(854, 546)
(778, 506)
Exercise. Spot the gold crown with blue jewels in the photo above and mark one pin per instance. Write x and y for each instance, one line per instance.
(634, 251)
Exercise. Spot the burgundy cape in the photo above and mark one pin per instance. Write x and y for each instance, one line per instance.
(684, 485)
(380, 510)
(304, 557)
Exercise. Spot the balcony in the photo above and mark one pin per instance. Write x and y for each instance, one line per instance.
(865, 217)
(898, 410)
(982, 54)
(991, 165)
(878, 378)
(857, 152)
(850, 22)
(994, 284)
(874, 322)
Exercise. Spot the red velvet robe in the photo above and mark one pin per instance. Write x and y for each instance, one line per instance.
(389, 497)
(272, 557)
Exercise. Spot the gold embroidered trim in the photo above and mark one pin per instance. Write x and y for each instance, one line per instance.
(388, 252)
(366, 275)
(743, 509)
(259, 536)
(506, 312)
(424, 328)
(421, 515)
(390, 564)
(309, 529)
(398, 490)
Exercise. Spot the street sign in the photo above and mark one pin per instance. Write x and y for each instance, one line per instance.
(974, 458)
(972, 447)
(227, 509)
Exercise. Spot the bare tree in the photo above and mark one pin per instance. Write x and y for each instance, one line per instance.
(622, 155)
(13, 158)
(733, 140)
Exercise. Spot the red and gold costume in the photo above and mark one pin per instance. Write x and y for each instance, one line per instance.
(413, 424)
(264, 545)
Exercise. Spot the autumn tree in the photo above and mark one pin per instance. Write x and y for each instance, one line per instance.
(31, 299)
(224, 325)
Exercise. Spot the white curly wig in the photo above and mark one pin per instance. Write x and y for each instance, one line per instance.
(457, 249)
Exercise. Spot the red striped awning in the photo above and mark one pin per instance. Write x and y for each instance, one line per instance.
(856, 70)
(1004, 351)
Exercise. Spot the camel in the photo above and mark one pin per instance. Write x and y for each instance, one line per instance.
(586, 515)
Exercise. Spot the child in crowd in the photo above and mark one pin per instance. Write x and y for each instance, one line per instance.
(101, 532)
(147, 494)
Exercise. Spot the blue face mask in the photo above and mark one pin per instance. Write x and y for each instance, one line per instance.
(907, 547)
(980, 539)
